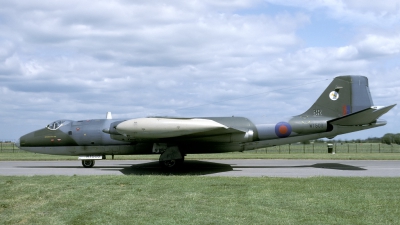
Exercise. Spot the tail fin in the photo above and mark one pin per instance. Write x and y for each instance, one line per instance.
(345, 95)
(345, 106)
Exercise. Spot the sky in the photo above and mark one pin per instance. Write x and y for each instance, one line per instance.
(261, 59)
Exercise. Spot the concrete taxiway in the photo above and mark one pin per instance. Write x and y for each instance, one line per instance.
(245, 167)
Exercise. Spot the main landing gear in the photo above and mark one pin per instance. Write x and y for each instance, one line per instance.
(171, 158)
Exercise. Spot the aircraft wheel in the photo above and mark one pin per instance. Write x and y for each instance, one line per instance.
(88, 163)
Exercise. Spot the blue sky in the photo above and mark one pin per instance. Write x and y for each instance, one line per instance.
(78, 59)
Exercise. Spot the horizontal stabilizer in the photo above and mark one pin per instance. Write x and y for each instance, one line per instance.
(362, 117)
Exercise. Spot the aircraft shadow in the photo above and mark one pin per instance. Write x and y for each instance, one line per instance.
(336, 166)
(332, 166)
(189, 167)
(194, 167)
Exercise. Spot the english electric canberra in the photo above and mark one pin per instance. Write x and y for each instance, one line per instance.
(345, 106)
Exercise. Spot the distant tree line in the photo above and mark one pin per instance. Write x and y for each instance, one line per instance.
(386, 139)
(391, 139)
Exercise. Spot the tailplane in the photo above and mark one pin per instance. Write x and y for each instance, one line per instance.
(362, 117)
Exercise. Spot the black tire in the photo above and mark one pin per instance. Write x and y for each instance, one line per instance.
(88, 163)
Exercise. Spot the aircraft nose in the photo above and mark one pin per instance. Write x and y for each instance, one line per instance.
(25, 140)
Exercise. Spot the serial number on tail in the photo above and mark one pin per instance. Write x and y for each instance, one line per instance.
(317, 125)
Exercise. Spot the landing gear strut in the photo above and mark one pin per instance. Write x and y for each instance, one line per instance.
(171, 158)
(88, 163)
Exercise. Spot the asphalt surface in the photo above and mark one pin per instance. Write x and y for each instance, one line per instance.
(236, 168)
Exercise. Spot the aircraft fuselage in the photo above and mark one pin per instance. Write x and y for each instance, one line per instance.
(92, 137)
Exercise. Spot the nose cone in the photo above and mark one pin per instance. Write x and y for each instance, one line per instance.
(32, 139)
(46, 138)
(24, 141)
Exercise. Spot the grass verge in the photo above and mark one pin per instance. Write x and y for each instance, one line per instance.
(198, 200)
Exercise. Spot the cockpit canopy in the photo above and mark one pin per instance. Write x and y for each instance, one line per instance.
(57, 124)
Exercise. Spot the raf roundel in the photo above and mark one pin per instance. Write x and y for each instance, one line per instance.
(283, 129)
(334, 96)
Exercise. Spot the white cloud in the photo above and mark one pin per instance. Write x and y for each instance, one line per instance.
(387, 90)
(381, 13)
(346, 52)
(325, 62)
(377, 7)
(77, 60)
(380, 45)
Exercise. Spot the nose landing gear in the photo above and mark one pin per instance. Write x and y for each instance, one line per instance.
(88, 163)
(88, 160)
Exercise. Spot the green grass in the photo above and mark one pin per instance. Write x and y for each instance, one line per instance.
(205, 200)
(198, 200)
(28, 156)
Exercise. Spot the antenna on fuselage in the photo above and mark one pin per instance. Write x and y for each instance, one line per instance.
(109, 116)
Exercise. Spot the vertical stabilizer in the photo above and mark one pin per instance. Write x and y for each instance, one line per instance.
(361, 96)
(345, 95)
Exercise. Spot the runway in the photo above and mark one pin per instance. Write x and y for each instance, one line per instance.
(233, 168)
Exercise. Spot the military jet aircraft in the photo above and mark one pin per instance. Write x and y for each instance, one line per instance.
(345, 106)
